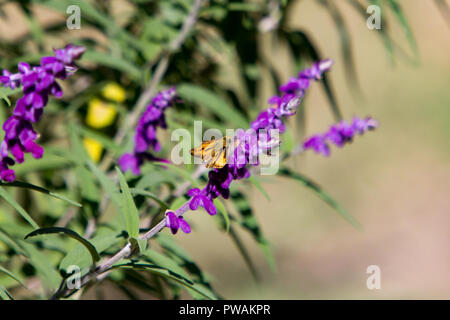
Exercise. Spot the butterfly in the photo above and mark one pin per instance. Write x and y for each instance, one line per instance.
(213, 152)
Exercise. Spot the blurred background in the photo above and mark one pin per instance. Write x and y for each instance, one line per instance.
(395, 180)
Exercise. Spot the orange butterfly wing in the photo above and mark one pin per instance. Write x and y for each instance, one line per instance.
(212, 152)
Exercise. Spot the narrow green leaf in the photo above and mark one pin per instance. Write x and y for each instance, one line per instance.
(181, 171)
(135, 191)
(169, 275)
(212, 101)
(94, 254)
(398, 11)
(4, 294)
(26, 185)
(79, 154)
(223, 211)
(44, 267)
(104, 140)
(258, 186)
(9, 274)
(106, 59)
(109, 187)
(345, 41)
(6, 92)
(129, 207)
(250, 224)
(322, 194)
(244, 253)
(5, 195)
(165, 262)
(80, 257)
(11, 243)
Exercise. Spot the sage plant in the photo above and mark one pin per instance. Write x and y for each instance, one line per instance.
(38, 84)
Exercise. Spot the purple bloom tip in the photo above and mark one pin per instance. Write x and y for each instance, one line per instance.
(174, 223)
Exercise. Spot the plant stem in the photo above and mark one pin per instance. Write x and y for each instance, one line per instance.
(125, 252)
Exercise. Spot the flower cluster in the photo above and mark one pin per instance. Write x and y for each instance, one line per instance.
(38, 83)
(145, 136)
(251, 142)
(339, 134)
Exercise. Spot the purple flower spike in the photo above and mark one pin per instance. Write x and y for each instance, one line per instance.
(318, 144)
(339, 134)
(250, 143)
(174, 223)
(38, 84)
(145, 136)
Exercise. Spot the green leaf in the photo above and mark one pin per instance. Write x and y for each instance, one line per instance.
(94, 254)
(322, 194)
(129, 207)
(11, 243)
(44, 267)
(9, 274)
(47, 162)
(250, 224)
(5, 195)
(79, 155)
(168, 243)
(6, 92)
(110, 61)
(223, 211)
(95, 16)
(169, 275)
(80, 257)
(165, 262)
(135, 191)
(4, 294)
(104, 140)
(345, 41)
(109, 187)
(258, 186)
(30, 186)
(398, 11)
(181, 171)
(212, 101)
(244, 253)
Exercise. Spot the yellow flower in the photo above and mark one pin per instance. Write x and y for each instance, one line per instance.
(100, 114)
(93, 148)
(114, 92)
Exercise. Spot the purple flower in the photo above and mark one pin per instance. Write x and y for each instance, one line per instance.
(131, 162)
(339, 134)
(318, 144)
(201, 198)
(145, 136)
(38, 83)
(174, 223)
